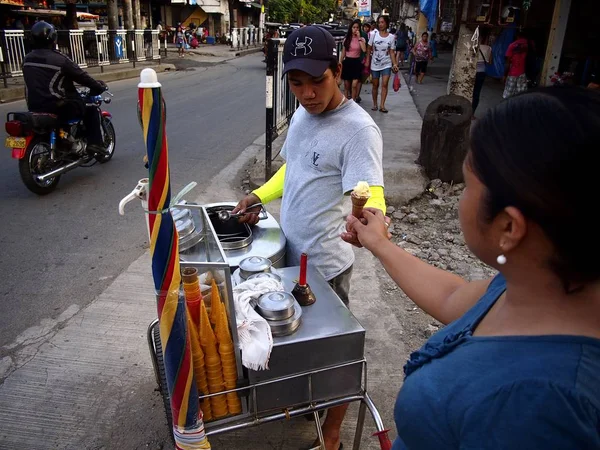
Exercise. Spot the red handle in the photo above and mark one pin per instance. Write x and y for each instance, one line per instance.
(384, 440)
(303, 261)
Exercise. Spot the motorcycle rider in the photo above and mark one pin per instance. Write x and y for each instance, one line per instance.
(49, 81)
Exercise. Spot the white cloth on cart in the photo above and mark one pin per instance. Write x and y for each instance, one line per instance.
(254, 333)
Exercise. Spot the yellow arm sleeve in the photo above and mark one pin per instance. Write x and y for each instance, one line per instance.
(377, 199)
(272, 189)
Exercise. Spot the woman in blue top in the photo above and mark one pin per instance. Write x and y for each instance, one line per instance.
(518, 364)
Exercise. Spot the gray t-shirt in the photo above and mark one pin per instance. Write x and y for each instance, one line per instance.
(326, 155)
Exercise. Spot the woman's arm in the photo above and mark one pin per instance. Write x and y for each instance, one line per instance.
(441, 294)
(392, 54)
(343, 55)
(363, 44)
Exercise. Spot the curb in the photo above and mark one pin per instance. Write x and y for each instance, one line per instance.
(232, 53)
(18, 93)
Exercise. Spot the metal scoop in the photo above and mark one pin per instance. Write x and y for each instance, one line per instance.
(224, 215)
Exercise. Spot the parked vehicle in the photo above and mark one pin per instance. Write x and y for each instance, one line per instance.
(46, 148)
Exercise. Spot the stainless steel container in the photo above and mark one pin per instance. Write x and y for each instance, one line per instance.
(329, 335)
(240, 241)
(276, 305)
(289, 325)
(253, 265)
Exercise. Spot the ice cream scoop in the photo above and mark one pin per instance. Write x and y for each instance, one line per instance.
(360, 195)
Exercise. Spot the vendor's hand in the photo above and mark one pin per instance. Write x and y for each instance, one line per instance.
(352, 236)
(250, 219)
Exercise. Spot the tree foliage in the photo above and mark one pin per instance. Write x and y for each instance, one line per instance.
(305, 11)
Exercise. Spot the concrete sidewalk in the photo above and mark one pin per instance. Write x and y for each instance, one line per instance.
(220, 51)
(16, 86)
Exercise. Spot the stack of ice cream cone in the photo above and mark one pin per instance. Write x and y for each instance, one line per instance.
(212, 363)
(360, 195)
(228, 363)
(193, 299)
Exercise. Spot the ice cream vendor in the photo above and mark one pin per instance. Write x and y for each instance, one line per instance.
(332, 144)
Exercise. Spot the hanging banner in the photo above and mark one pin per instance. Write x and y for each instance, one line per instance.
(364, 8)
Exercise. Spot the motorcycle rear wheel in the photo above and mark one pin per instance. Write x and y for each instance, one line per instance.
(30, 164)
(110, 140)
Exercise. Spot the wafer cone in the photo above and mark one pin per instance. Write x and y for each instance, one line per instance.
(199, 372)
(207, 337)
(215, 299)
(192, 294)
(358, 203)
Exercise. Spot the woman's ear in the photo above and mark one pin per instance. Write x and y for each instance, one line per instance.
(512, 228)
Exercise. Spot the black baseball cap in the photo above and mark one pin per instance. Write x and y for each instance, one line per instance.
(309, 49)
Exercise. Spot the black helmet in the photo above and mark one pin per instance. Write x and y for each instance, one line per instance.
(43, 35)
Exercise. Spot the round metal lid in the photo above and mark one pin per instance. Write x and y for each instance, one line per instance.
(254, 264)
(276, 305)
(265, 275)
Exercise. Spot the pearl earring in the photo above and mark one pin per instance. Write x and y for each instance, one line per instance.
(501, 259)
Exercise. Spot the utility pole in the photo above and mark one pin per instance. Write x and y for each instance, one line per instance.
(462, 72)
(128, 15)
(113, 14)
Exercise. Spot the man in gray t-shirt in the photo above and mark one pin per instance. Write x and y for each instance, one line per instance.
(332, 144)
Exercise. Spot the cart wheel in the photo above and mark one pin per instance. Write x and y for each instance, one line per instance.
(164, 390)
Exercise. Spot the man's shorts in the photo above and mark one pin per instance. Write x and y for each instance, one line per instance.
(381, 73)
(341, 285)
(420, 67)
(515, 85)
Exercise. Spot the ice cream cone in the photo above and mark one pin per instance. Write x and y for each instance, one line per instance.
(207, 337)
(358, 203)
(215, 305)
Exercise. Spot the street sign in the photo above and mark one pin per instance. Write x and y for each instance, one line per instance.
(364, 8)
(119, 47)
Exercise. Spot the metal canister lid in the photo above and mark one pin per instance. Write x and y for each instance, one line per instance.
(254, 264)
(276, 305)
(265, 276)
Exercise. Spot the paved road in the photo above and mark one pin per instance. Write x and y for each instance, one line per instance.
(66, 248)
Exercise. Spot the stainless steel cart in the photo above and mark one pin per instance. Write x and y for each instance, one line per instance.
(319, 366)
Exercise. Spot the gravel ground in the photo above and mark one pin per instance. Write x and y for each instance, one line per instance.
(428, 228)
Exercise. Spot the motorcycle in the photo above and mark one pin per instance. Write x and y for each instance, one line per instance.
(47, 148)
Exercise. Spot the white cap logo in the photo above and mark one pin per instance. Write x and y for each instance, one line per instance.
(303, 46)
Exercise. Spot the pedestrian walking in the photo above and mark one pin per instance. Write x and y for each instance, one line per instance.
(422, 53)
(331, 145)
(401, 44)
(517, 364)
(382, 58)
(484, 58)
(515, 79)
(352, 68)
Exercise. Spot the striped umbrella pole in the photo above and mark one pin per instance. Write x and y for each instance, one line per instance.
(188, 427)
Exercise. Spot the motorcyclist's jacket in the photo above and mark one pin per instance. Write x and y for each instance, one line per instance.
(49, 80)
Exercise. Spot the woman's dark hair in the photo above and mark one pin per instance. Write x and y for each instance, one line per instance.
(348, 38)
(424, 33)
(386, 19)
(539, 152)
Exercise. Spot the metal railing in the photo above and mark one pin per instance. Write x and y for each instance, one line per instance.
(242, 38)
(87, 48)
(280, 101)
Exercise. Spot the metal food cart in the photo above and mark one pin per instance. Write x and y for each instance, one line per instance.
(319, 366)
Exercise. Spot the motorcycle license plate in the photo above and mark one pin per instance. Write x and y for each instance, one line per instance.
(15, 142)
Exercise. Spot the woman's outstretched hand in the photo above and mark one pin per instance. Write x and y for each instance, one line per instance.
(370, 231)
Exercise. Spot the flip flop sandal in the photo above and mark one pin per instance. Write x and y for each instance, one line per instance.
(374, 108)
(318, 447)
(383, 110)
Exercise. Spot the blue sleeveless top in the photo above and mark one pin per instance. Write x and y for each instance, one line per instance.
(512, 392)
